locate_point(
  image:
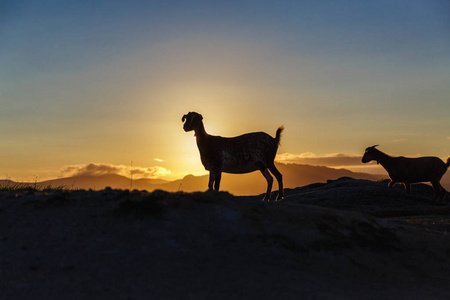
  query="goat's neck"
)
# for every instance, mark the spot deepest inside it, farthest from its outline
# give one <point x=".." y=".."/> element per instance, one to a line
<point x="384" y="160"/>
<point x="201" y="136"/>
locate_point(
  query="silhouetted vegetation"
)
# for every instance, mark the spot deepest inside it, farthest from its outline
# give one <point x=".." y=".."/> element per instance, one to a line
<point x="151" y="205"/>
<point x="30" y="187"/>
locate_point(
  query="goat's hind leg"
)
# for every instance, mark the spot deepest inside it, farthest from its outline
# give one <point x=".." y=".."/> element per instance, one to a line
<point x="269" y="179"/>
<point x="439" y="191"/>
<point x="442" y="195"/>
<point x="279" y="178"/>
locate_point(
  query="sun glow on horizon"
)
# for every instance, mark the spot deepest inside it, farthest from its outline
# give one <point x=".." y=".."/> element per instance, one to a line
<point x="245" y="68"/>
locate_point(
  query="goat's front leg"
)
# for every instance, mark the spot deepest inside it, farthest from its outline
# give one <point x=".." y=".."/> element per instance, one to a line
<point x="407" y="187"/>
<point x="211" y="180"/>
<point x="391" y="183"/>
<point x="217" y="176"/>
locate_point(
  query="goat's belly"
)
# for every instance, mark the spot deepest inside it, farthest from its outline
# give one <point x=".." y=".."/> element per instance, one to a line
<point x="230" y="166"/>
<point x="413" y="178"/>
<point x="237" y="166"/>
<point x="239" y="169"/>
<point x="240" y="162"/>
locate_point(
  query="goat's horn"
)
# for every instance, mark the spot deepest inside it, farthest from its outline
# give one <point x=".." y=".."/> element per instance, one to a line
<point x="184" y="118"/>
<point x="374" y="146"/>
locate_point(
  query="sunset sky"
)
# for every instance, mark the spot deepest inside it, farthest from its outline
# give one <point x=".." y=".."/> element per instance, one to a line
<point x="89" y="86"/>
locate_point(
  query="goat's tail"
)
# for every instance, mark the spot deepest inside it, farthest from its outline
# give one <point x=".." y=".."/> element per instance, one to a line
<point x="278" y="135"/>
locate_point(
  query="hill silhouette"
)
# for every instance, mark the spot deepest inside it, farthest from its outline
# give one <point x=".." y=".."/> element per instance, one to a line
<point x="294" y="175"/>
<point x="341" y="239"/>
<point x="98" y="182"/>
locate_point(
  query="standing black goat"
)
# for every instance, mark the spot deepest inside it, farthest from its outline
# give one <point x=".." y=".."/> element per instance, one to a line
<point x="411" y="170"/>
<point x="242" y="154"/>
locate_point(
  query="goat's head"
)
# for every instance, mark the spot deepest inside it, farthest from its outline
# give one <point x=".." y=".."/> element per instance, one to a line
<point x="370" y="154"/>
<point x="193" y="120"/>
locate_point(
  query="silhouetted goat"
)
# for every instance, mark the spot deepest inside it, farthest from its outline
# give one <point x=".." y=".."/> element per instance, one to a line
<point x="242" y="154"/>
<point x="411" y="170"/>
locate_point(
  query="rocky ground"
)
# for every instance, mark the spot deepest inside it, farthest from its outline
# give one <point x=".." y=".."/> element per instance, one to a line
<point x="344" y="239"/>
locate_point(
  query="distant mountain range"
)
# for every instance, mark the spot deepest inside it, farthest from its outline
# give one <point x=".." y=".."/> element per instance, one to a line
<point x="294" y="175"/>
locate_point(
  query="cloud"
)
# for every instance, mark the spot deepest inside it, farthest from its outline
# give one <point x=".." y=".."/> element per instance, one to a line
<point x="150" y="172"/>
<point x="309" y="158"/>
<point x="94" y="169"/>
<point x="91" y="169"/>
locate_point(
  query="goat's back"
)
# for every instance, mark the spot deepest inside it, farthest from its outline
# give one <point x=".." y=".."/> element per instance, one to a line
<point x="420" y="169"/>
<point x="254" y="142"/>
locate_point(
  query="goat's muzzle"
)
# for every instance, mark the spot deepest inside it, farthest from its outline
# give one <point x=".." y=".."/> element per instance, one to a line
<point x="183" y="119"/>
<point x="366" y="159"/>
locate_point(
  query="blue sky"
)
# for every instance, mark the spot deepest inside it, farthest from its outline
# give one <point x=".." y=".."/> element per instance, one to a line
<point x="108" y="81"/>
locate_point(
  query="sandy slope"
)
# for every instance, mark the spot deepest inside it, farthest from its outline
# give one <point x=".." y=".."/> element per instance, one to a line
<point x="322" y="242"/>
